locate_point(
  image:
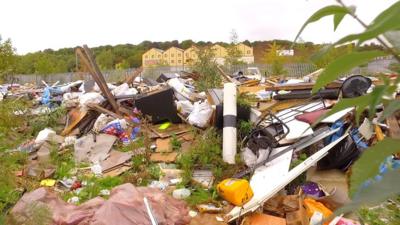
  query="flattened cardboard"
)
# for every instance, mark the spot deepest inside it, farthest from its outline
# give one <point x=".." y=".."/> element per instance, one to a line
<point x="164" y="157"/>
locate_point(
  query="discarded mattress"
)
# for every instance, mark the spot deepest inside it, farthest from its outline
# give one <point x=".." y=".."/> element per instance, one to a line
<point x="124" y="207"/>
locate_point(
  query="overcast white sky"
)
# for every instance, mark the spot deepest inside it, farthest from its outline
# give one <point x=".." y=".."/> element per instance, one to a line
<point x="40" y="24"/>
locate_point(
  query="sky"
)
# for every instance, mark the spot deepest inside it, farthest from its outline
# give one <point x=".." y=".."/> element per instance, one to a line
<point x="42" y="24"/>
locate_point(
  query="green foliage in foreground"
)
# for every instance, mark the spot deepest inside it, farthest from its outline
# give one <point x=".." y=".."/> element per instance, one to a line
<point x="206" y="66"/>
<point x="206" y="153"/>
<point x="383" y="28"/>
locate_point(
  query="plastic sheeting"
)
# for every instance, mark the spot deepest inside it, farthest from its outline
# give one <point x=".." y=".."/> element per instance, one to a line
<point x="201" y="114"/>
<point x="125" y="206"/>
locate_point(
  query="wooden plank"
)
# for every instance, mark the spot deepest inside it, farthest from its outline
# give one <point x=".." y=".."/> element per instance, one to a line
<point x="300" y="86"/>
<point x="88" y="59"/>
<point x="100" y="109"/>
<point x="132" y="77"/>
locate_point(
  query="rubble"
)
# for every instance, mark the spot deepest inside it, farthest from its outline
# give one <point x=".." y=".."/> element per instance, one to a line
<point x="142" y="133"/>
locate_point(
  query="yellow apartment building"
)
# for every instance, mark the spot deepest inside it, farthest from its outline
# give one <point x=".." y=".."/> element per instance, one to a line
<point x="174" y="56"/>
<point x="246" y="53"/>
<point x="190" y="55"/>
<point x="152" y="57"/>
<point x="178" y="57"/>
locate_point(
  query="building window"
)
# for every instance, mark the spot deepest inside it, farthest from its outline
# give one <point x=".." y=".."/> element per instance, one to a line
<point x="248" y="52"/>
<point x="172" y="55"/>
<point x="165" y="55"/>
<point x="179" y="61"/>
<point x="152" y="56"/>
<point x="187" y="54"/>
<point x="159" y="56"/>
<point x="179" y="55"/>
<point x="172" y="61"/>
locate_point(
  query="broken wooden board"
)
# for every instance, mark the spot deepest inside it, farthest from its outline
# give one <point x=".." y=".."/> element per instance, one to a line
<point x="276" y="106"/>
<point x="163" y="157"/>
<point x="300" y="86"/>
<point x="115" y="159"/>
<point x="117" y="171"/>
<point x="74" y="117"/>
<point x="163" y="145"/>
<point x="251" y="89"/>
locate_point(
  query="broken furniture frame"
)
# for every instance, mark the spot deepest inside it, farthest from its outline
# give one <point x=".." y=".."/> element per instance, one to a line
<point x="296" y="147"/>
<point x="258" y="201"/>
<point x="88" y="60"/>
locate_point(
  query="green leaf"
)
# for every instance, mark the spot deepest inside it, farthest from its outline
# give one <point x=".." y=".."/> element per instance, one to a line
<point x="385" y="22"/>
<point x="337" y="18"/>
<point x="374" y="194"/>
<point x="376" y="98"/>
<point x="394" y="39"/>
<point x="326" y="11"/>
<point x="343" y="64"/>
<point x="367" y="166"/>
<point x="392" y="107"/>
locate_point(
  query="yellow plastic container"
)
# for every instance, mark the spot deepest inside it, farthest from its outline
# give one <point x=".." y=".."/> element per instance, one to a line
<point x="235" y="191"/>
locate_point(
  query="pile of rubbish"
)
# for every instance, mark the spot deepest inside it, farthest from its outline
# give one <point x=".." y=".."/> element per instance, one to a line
<point x="289" y="166"/>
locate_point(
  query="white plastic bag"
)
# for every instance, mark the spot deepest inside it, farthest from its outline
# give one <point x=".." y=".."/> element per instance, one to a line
<point x="44" y="135"/>
<point x="185" y="107"/>
<point x="101" y="122"/>
<point x="180" y="88"/>
<point x="124" y="89"/>
<point x="91" y="97"/>
<point x="201" y="114"/>
<point x="250" y="159"/>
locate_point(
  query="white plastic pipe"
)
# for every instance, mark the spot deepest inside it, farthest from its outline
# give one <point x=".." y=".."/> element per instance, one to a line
<point x="229" y="141"/>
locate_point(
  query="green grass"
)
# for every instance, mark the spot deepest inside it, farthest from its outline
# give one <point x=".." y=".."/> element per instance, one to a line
<point x="64" y="163"/>
<point x="206" y="153"/>
<point x="175" y="143"/>
<point x="201" y="196"/>
<point x="388" y="213"/>
<point x="93" y="187"/>
<point x="138" y="143"/>
<point x="9" y="194"/>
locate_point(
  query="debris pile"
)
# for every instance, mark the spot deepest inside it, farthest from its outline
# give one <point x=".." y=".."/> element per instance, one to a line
<point x="146" y="151"/>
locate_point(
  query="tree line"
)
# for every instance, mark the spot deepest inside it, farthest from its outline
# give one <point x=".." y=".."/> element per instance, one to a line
<point x="125" y="56"/>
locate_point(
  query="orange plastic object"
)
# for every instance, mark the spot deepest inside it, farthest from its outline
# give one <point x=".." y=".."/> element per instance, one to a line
<point x="379" y="133"/>
<point x="235" y="191"/>
<point x="313" y="206"/>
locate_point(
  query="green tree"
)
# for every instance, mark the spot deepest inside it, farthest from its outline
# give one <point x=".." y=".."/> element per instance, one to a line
<point x="277" y="61"/>
<point x="122" y="65"/>
<point x="105" y="59"/>
<point x="186" y="44"/>
<point x="207" y="68"/>
<point x="7" y="59"/>
<point x="233" y="54"/>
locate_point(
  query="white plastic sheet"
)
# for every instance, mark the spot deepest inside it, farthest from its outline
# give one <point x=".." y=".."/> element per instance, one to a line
<point x="201" y="114"/>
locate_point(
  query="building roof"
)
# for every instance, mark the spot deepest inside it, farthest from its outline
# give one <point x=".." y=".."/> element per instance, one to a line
<point x="176" y="48"/>
<point x="160" y="50"/>
<point x="244" y="44"/>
